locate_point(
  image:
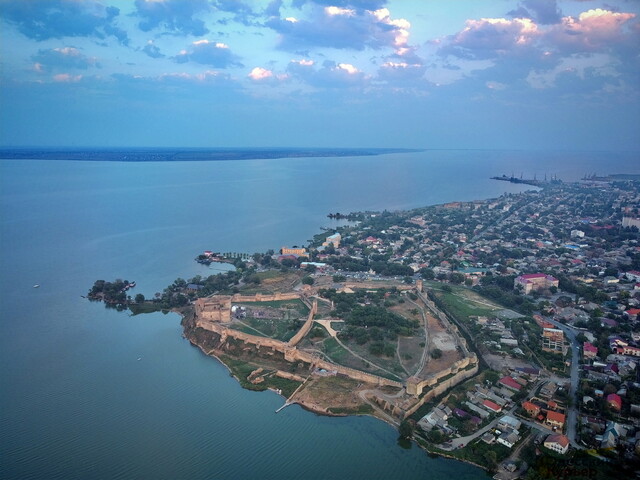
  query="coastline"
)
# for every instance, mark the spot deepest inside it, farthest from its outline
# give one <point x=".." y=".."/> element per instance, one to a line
<point x="311" y="407"/>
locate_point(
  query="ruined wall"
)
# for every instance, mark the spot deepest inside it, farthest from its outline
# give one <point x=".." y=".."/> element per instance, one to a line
<point x="290" y="376"/>
<point x="306" y="327"/>
<point x="215" y="309"/>
<point x="260" y="297"/>
<point x="415" y="387"/>
<point x="293" y="354"/>
<point x="442" y="387"/>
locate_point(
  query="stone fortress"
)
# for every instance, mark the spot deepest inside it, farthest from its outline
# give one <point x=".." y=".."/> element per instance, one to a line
<point x="213" y="314"/>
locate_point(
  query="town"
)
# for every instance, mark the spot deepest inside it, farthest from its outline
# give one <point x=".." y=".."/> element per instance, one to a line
<point x="503" y="332"/>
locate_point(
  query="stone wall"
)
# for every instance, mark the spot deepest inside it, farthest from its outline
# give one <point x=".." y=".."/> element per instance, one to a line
<point x="306" y="327"/>
<point x="415" y="386"/>
<point x="292" y="354"/>
<point x="443" y="386"/>
<point x="261" y="297"/>
<point x="215" y="309"/>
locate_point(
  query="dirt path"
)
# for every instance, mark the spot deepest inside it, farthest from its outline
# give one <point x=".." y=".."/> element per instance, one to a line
<point x="366" y="360"/>
<point x="427" y="339"/>
<point x="327" y="324"/>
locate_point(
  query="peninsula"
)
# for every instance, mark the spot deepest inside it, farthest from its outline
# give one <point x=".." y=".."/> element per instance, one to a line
<point x="500" y="332"/>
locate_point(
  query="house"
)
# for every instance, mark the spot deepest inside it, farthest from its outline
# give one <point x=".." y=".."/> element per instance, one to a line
<point x="548" y="390"/>
<point x="509" y="422"/>
<point x="508" y="438"/>
<point x="557" y="443"/>
<point x="632" y="276"/>
<point x="553" y="340"/>
<point x="532" y="372"/>
<point x="492" y="406"/>
<point x="555" y="419"/>
<point x="589" y="351"/>
<point x="632" y="313"/>
<point x="534" y="282"/>
<point x="614" y="402"/>
<point x="612" y="434"/>
<point x="510" y="383"/>
<point x="627" y="350"/>
<point x="531" y="408"/>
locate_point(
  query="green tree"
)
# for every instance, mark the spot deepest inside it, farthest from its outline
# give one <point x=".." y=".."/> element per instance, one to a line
<point x="406" y="429"/>
<point x="308" y="280"/>
<point x="139" y="298"/>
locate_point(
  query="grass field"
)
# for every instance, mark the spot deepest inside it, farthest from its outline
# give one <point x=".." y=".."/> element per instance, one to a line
<point x="463" y="303"/>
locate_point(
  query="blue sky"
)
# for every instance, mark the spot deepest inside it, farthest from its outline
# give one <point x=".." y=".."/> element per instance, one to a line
<point x="521" y="74"/>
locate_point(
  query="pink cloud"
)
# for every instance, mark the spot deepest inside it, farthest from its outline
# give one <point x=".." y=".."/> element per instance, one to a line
<point x="489" y="37"/>
<point x="66" y="78"/>
<point x="259" y="73"/>
<point x="594" y="31"/>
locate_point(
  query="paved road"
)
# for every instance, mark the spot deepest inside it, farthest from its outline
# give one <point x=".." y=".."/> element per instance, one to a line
<point x="572" y="411"/>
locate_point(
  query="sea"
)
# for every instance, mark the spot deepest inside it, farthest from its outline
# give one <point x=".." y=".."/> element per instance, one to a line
<point x="92" y="393"/>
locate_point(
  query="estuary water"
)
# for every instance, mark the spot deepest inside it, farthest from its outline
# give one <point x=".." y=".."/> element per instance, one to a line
<point x="87" y="392"/>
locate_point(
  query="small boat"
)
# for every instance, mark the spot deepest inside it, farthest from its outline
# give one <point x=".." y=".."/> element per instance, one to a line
<point x="37" y="285"/>
<point x="139" y="358"/>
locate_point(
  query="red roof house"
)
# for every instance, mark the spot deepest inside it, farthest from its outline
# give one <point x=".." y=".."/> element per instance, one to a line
<point x="494" y="407"/>
<point x="555" y="419"/>
<point x="589" y="351"/>
<point x="510" y="383"/>
<point x="614" y="401"/>
<point x="531" y="408"/>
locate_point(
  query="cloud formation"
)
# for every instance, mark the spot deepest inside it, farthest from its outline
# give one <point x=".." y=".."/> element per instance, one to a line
<point x="152" y="50"/>
<point x="543" y="12"/>
<point x="45" y="19"/>
<point x="488" y="38"/>
<point x="345" y="25"/>
<point x="330" y="75"/>
<point x="216" y="54"/>
<point x="63" y="59"/>
<point x="177" y="16"/>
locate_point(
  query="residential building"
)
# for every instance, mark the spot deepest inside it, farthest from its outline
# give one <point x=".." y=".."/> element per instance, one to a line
<point x="489" y="405"/>
<point x="614" y="402"/>
<point x="553" y="340"/>
<point x="508" y="438"/>
<point x="555" y="419"/>
<point x="558" y="443"/>
<point x="535" y="282"/>
<point x="589" y="351"/>
<point x="531" y="408"/>
<point x="510" y="383"/>
<point x="508" y="421"/>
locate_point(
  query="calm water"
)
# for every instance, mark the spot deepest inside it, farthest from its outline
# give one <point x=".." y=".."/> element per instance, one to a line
<point x="74" y="400"/>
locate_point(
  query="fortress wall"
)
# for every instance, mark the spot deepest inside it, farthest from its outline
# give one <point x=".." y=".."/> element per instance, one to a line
<point x="289" y="376"/>
<point x="443" y="387"/>
<point x="306" y="327"/>
<point x="225" y="332"/>
<point x="435" y="381"/>
<point x="217" y="309"/>
<point x="374" y="285"/>
<point x="260" y="297"/>
<point x="293" y="354"/>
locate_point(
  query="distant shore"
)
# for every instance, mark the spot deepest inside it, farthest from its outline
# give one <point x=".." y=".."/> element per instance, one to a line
<point x="186" y="154"/>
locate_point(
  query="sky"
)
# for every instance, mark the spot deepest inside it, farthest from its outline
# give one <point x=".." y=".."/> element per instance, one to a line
<point x="485" y="74"/>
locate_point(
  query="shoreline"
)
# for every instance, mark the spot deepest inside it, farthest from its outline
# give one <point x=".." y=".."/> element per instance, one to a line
<point x="317" y="410"/>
